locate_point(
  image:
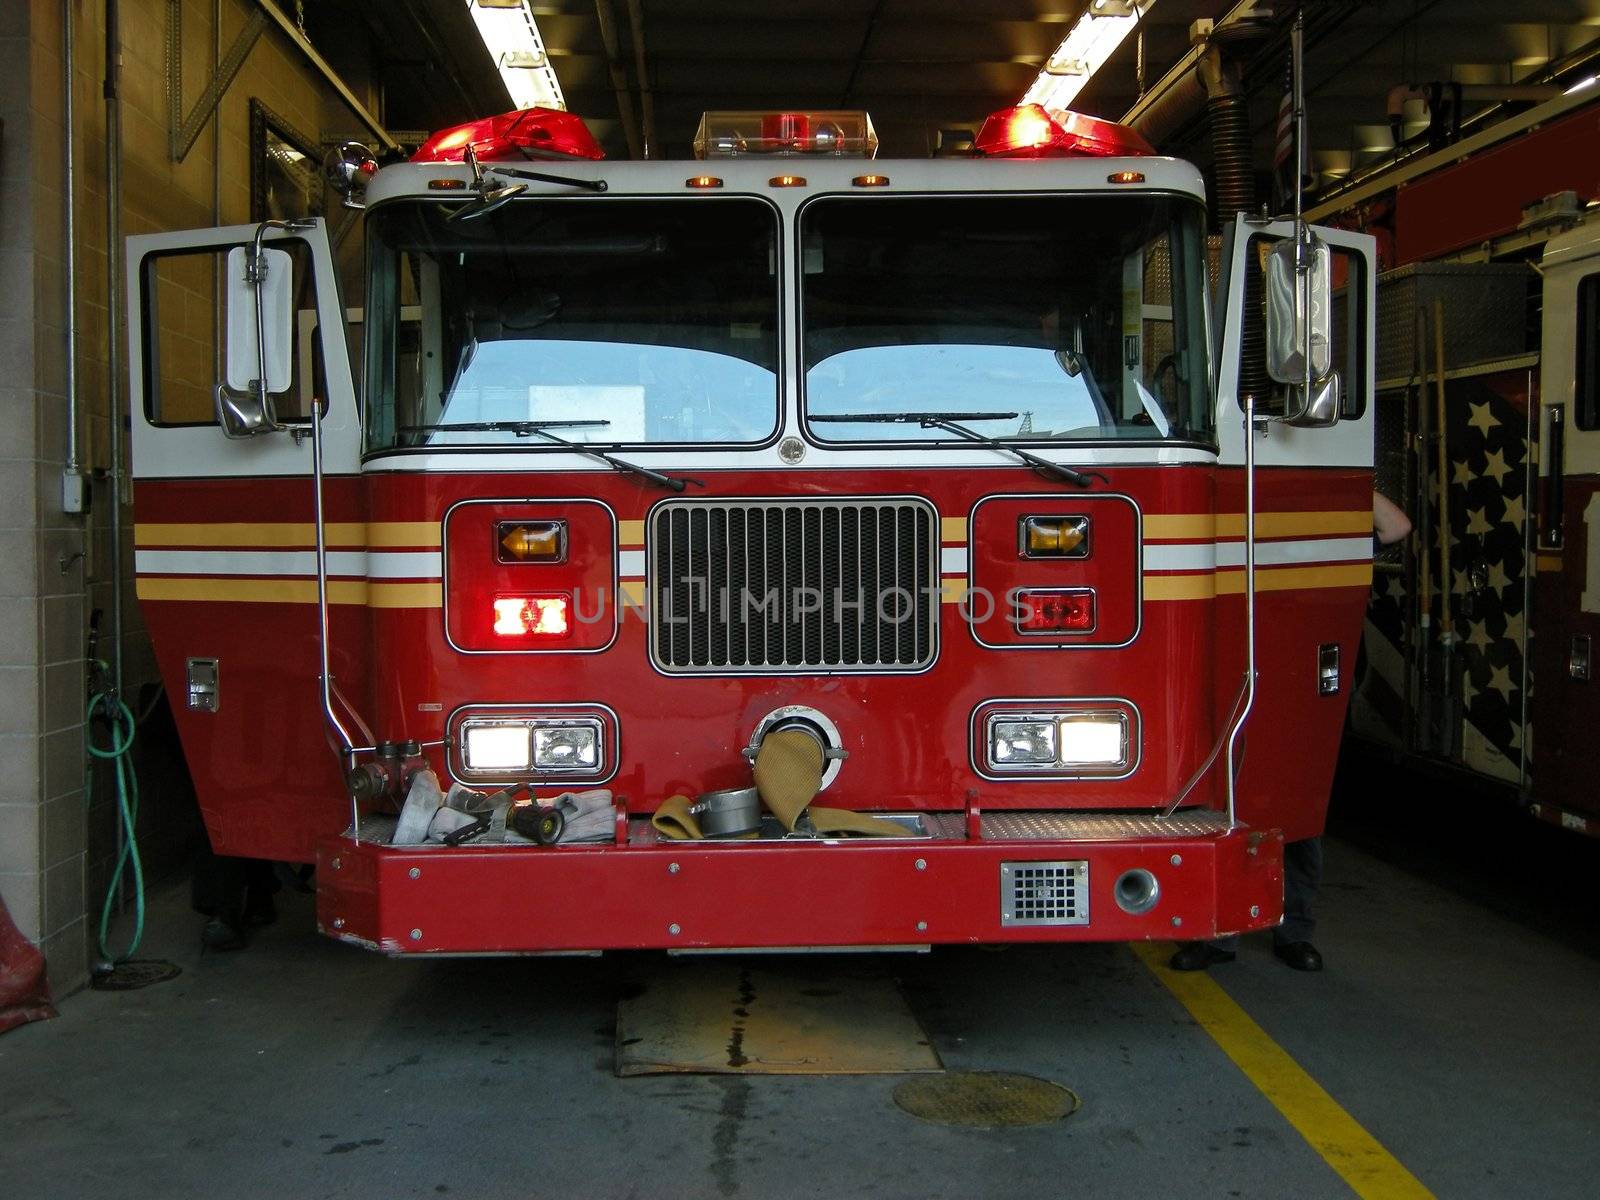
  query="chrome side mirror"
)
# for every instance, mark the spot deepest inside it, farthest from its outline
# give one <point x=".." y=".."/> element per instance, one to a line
<point x="260" y="331"/>
<point x="348" y="168"/>
<point x="1300" y="328"/>
<point x="490" y="196"/>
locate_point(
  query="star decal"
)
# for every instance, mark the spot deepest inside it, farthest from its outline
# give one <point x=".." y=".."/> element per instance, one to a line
<point x="1515" y="512"/>
<point x="1495" y="466"/>
<point x="1500" y="681"/>
<point x="1462" y="475"/>
<point x="1459" y="584"/>
<point x="1479" y="636"/>
<point x="1476" y="525"/>
<point x="1513" y="631"/>
<point x="1482" y="418"/>
<point x="1497" y="577"/>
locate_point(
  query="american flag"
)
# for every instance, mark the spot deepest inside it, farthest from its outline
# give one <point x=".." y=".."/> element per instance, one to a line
<point x="1283" y="145"/>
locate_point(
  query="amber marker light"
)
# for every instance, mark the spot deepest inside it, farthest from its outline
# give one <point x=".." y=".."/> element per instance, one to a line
<point x="447" y="185"/>
<point x="531" y="541"/>
<point x="1054" y="537"/>
<point x="1125" y="177"/>
<point x="702" y="181"/>
<point x="787" y="181"/>
<point x="871" y="181"/>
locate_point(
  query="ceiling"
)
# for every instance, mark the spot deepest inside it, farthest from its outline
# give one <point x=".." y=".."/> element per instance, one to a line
<point x="922" y="66"/>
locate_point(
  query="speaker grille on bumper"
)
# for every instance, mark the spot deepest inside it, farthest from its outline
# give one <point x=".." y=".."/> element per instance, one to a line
<point x="1044" y="893"/>
<point x="741" y="587"/>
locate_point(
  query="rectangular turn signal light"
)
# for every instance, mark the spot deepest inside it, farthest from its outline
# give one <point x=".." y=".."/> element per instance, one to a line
<point x="1054" y="610"/>
<point x="532" y="616"/>
<point x="531" y="541"/>
<point x="1054" y="537"/>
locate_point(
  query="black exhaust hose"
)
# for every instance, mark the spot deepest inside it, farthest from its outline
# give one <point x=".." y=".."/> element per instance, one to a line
<point x="1235" y="185"/>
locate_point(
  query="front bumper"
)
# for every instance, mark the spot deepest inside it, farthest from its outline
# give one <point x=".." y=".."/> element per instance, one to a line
<point x="644" y="893"/>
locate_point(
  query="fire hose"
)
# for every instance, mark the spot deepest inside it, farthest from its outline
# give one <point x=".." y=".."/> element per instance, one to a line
<point x="788" y="776"/>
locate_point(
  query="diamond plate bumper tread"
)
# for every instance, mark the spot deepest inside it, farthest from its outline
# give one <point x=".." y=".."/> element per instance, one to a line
<point x="1100" y="827"/>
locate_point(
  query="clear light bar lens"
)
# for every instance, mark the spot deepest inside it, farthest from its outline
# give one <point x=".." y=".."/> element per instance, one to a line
<point x="496" y="747"/>
<point x="1093" y="741"/>
<point x="1022" y="743"/>
<point x="566" y="748"/>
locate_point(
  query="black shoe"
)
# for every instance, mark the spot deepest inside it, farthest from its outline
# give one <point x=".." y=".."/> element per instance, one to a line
<point x="219" y="935"/>
<point x="1197" y="956"/>
<point x="1302" y="956"/>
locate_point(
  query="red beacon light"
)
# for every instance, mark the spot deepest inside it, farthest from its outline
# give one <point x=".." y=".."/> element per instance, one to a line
<point x="523" y="134"/>
<point x="832" y="133"/>
<point x="1033" y="131"/>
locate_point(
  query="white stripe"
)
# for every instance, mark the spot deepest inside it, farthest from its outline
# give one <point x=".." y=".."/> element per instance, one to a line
<point x="953" y="560"/>
<point x="405" y="564"/>
<point x="1206" y="556"/>
<point x="630" y="563"/>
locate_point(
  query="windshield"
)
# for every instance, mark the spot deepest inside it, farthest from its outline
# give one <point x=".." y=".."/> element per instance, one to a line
<point x="1037" y="318"/>
<point x="608" y="321"/>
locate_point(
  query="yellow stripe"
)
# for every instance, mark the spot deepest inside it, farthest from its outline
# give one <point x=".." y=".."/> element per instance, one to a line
<point x="952" y="589"/>
<point x="1359" y="1158"/>
<point x="288" y="533"/>
<point x="632" y="591"/>
<point x="630" y="534"/>
<point x="1202" y="585"/>
<point x="289" y="591"/>
<point x="1547" y="562"/>
<point x="1192" y="526"/>
<point x="952" y="529"/>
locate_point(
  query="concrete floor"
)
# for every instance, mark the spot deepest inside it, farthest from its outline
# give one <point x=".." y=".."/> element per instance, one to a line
<point x="1456" y="1023"/>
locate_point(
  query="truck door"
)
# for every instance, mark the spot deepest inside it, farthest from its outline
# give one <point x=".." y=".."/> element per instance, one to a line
<point x="224" y="539"/>
<point x="1566" y="693"/>
<point x="1313" y="538"/>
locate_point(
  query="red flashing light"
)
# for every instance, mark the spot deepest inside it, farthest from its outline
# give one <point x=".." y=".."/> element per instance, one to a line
<point x="1033" y="131"/>
<point x="538" y="616"/>
<point x="1055" y="611"/>
<point x="524" y="133"/>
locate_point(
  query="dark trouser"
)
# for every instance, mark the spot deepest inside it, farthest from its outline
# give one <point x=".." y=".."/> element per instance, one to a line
<point x="1302" y="875"/>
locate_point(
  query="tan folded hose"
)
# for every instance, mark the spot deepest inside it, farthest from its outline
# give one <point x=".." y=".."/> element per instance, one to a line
<point x="788" y="774"/>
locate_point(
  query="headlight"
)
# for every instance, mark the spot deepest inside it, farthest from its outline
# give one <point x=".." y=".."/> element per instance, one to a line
<point x="1065" y="742"/>
<point x="1020" y="743"/>
<point x="532" y="747"/>
<point x="496" y="747"/>
<point x="574" y="747"/>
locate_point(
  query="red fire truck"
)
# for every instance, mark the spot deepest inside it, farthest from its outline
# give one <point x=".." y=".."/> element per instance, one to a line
<point x="608" y="478"/>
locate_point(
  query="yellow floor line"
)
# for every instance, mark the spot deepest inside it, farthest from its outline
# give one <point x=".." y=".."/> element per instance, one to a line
<point x="1370" y="1170"/>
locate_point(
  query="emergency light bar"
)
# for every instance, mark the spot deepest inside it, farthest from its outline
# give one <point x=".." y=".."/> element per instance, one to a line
<point x="518" y="135"/>
<point x="832" y="132"/>
<point x="1033" y="131"/>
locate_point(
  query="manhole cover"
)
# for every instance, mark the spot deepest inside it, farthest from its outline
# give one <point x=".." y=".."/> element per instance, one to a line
<point x="129" y="976"/>
<point x="985" y="1099"/>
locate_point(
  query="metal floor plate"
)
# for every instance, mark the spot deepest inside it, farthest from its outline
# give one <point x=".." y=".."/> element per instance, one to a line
<point x="716" y="1017"/>
<point x="986" y="1099"/>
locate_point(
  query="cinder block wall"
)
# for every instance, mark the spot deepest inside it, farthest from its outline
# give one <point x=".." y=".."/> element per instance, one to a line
<point x="57" y="835"/>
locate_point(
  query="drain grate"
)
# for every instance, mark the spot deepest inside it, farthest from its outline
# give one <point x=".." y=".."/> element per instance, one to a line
<point x="985" y="1099"/>
<point x="135" y="974"/>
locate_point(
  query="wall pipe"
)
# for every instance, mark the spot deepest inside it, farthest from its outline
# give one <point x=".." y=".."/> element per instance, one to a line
<point x="619" y="78"/>
<point x="111" y="90"/>
<point x="71" y="484"/>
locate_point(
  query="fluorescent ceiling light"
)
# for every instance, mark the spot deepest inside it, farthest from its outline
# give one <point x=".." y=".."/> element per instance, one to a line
<point x="1093" y="38"/>
<point x="512" y="37"/>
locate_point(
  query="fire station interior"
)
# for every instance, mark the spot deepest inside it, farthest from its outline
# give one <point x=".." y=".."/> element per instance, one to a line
<point x="213" y="977"/>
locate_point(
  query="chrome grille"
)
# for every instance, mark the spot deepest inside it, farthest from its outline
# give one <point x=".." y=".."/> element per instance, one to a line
<point x="746" y="587"/>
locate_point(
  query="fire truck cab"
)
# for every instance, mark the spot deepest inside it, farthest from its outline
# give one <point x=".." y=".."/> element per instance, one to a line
<point x="915" y="502"/>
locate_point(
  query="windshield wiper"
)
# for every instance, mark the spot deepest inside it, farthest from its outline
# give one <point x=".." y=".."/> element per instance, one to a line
<point x="914" y="418"/>
<point x="671" y="482"/>
<point x="520" y="428"/>
<point x="593" y="185"/>
<point x="947" y="421"/>
<point x="542" y="429"/>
